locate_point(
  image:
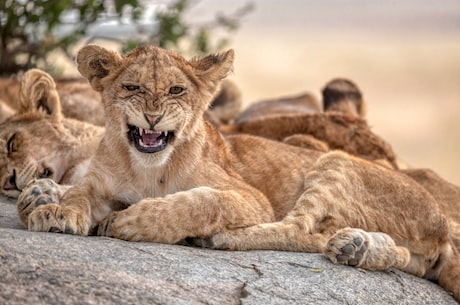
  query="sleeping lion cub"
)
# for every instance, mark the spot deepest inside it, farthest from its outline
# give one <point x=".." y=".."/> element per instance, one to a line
<point x="163" y="174"/>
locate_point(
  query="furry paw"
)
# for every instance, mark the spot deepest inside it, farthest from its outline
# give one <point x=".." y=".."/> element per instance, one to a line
<point x="60" y="219"/>
<point x="126" y="225"/>
<point x="36" y="193"/>
<point x="123" y="226"/>
<point x="347" y="247"/>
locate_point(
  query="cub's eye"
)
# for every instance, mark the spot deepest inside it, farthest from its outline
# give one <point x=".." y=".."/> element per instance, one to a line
<point x="131" y="87"/>
<point x="10" y="144"/>
<point x="176" y="90"/>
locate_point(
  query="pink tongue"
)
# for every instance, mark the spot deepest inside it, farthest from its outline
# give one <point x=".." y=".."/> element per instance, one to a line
<point x="151" y="139"/>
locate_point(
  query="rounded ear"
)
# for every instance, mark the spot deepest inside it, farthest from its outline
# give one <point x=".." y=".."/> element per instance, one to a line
<point x="38" y="93"/>
<point x="214" y="67"/>
<point x="95" y="63"/>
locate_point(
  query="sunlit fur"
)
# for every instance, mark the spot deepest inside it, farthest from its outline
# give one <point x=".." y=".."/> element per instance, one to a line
<point x="240" y="192"/>
<point x="79" y="101"/>
<point x="42" y="142"/>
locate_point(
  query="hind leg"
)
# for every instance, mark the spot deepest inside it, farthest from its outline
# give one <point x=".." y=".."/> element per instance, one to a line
<point x="378" y="251"/>
<point x="284" y="235"/>
<point x="447" y="270"/>
<point x="369" y="250"/>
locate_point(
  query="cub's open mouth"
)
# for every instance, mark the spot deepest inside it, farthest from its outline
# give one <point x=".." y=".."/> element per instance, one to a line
<point x="149" y="141"/>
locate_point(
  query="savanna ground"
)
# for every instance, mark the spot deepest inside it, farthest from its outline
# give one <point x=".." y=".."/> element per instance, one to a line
<point x="404" y="55"/>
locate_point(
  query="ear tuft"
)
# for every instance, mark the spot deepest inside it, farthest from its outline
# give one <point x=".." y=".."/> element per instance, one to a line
<point x="95" y="63"/>
<point x="215" y="67"/>
<point x="38" y="93"/>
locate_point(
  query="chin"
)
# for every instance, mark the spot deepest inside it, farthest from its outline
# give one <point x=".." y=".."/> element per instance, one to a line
<point x="157" y="159"/>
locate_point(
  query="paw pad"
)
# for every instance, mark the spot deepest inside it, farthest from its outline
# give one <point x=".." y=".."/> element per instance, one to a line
<point x="346" y="249"/>
<point x="37" y="192"/>
<point x="43" y="200"/>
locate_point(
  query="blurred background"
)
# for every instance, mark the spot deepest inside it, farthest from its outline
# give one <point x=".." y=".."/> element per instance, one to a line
<point x="403" y="54"/>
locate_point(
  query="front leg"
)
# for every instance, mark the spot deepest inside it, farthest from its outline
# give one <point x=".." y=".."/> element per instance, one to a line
<point x="200" y="212"/>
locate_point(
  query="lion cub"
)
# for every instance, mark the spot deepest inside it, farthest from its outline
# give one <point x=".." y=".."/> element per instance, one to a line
<point x="39" y="142"/>
<point x="163" y="174"/>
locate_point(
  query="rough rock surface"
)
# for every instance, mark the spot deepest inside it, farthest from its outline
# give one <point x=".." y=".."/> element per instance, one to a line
<point x="49" y="268"/>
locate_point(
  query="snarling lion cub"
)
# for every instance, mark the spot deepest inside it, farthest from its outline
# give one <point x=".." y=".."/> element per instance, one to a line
<point x="163" y="174"/>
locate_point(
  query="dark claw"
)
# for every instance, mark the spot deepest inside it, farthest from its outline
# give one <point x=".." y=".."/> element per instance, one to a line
<point x="353" y="262"/>
<point x="54" y="230"/>
<point x="199" y="242"/>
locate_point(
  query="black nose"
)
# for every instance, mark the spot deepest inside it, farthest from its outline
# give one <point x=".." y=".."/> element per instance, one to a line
<point x="153" y="119"/>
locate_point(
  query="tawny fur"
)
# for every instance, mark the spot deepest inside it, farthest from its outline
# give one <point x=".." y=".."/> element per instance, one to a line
<point x="79" y="101"/>
<point x="299" y="121"/>
<point x="46" y="142"/>
<point x="226" y="105"/>
<point x="305" y="103"/>
<point x="240" y="192"/>
<point x="5" y="111"/>
<point x="38" y="141"/>
<point x="447" y="196"/>
<point x="339" y="131"/>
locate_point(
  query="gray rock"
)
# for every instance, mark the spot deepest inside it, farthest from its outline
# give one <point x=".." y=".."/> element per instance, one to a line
<point x="49" y="268"/>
